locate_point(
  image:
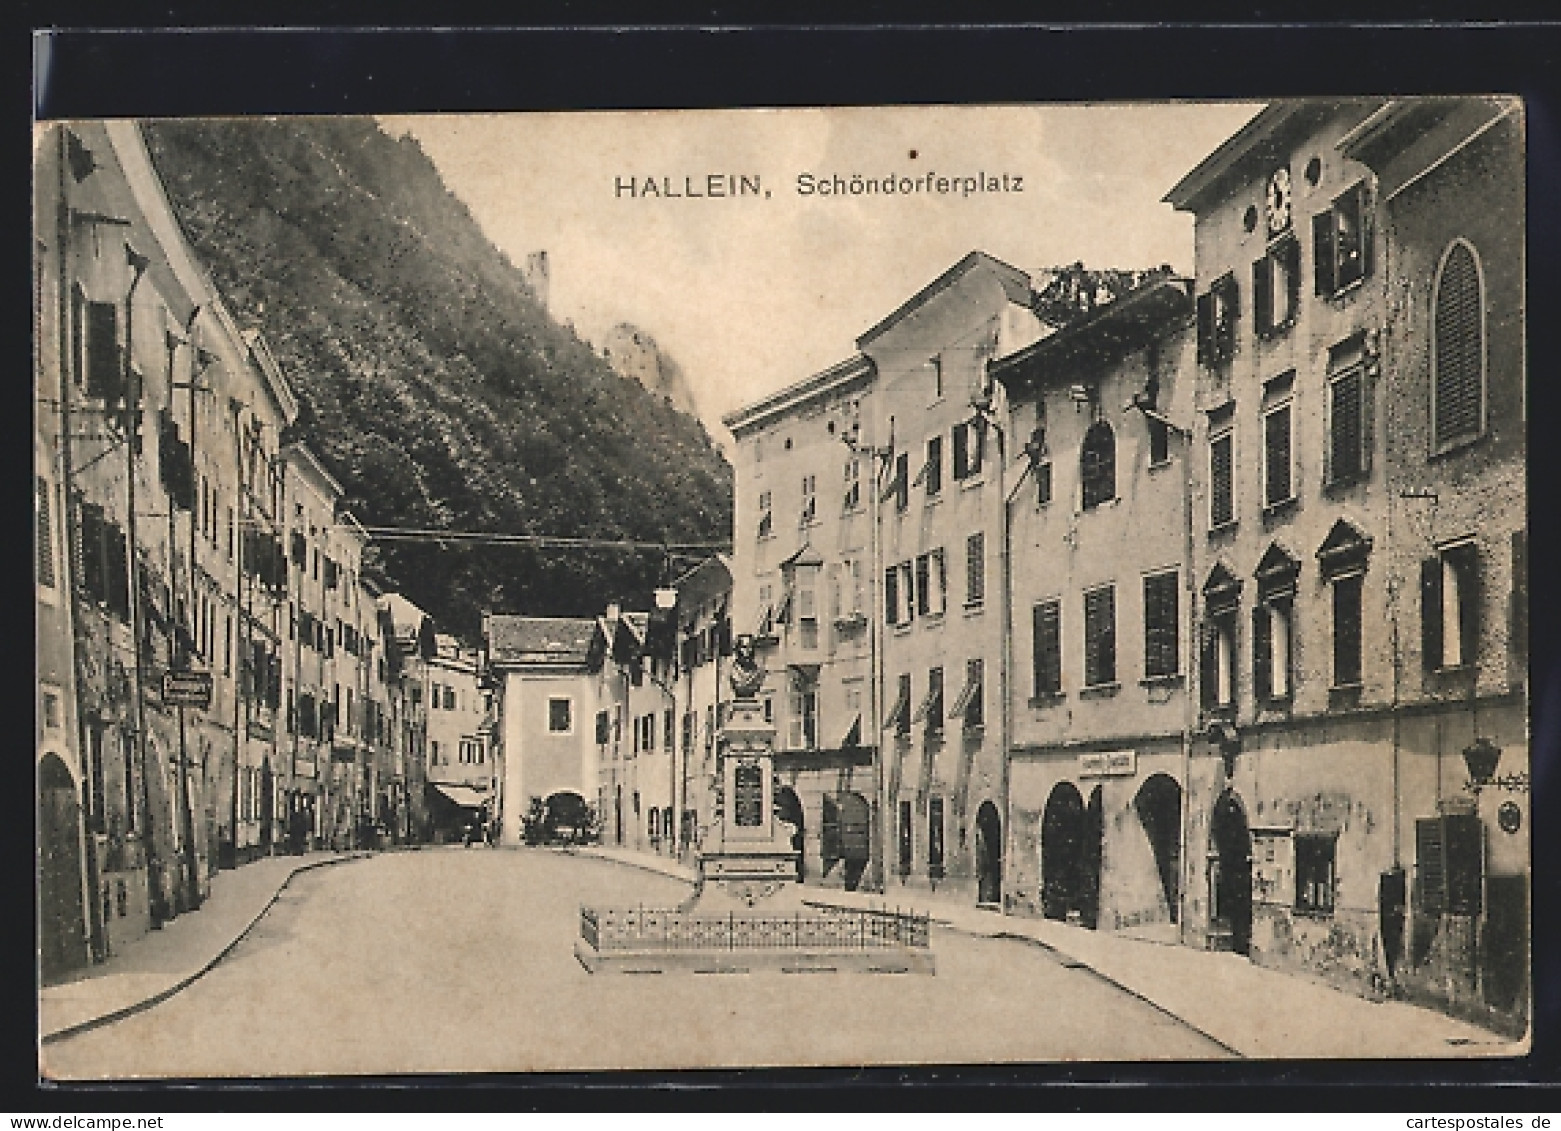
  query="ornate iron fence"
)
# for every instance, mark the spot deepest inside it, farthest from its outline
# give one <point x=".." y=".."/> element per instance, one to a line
<point x="643" y="928"/>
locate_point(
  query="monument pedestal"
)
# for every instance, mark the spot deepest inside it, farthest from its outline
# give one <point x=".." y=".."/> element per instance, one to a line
<point x="746" y="911"/>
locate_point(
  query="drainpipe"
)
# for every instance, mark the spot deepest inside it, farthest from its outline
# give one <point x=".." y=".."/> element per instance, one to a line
<point x="1005" y="725"/>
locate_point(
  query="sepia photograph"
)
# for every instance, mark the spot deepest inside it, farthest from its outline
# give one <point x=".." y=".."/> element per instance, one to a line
<point x="829" y="587"/>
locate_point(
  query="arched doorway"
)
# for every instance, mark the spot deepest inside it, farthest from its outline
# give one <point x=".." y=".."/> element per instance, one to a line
<point x="989" y="854"/>
<point x="1230" y="873"/>
<point x="856" y="837"/>
<point x="62" y="945"/>
<point x="788" y="808"/>
<point x="1159" y="807"/>
<point x="565" y="818"/>
<point x="1062" y="839"/>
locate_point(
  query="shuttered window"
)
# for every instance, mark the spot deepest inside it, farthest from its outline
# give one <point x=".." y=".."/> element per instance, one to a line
<point x="101" y="364"/>
<point x="1272" y="633"/>
<point x="1459" y="350"/>
<point x="1347" y="434"/>
<point x="1046" y="619"/>
<point x="1161" y="643"/>
<point x="1218" y="311"/>
<point x="1342" y="242"/>
<point x="1347" y="630"/>
<point x="933" y="473"/>
<point x="1100" y="636"/>
<point x="1098" y="465"/>
<point x="44" y="532"/>
<point x="1043" y="483"/>
<point x="1449" y="864"/>
<point x="1217" y="660"/>
<point x="935" y="838"/>
<point x="1277" y="487"/>
<point x="1222" y="490"/>
<point x="906" y="833"/>
<point x="975" y="569"/>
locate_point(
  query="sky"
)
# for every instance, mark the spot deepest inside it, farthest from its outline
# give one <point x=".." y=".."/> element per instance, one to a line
<point x="750" y="293"/>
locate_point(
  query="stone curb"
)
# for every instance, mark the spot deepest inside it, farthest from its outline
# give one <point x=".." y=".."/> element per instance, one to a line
<point x="79" y="1027"/>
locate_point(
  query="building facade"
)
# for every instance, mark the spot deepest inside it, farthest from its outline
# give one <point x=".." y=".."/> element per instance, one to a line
<point x="1099" y="702"/>
<point x="1360" y="510"/>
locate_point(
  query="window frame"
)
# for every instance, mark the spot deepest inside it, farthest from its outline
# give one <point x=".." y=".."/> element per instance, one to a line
<point x="1218" y="314"/>
<point x="1456" y="567"/>
<point x="932" y="469"/>
<point x="1339" y="586"/>
<point x="1279" y="398"/>
<point x="975" y="570"/>
<point x="1453" y="442"/>
<point x="1222" y="432"/>
<point x="1281" y="263"/>
<point x="1098" y="465"/>
<point x="1100" y="637"/>
<point x="1316" y="898"/>
<point x="1330" y="280"/>
<point x="1165" y="638"/>
<point x="1047" y="662"/>
<point x="552" y="718"/>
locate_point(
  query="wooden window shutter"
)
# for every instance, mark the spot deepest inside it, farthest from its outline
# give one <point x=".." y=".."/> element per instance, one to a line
<point x="961" y="451"/>
<point x="1323" y="253"/>
<point x="1290" y="252"/>
<point x="1430" y="867"/>
<point x="1160" y="625"/>
<point x="1276" y="444"/>
<point x="1431" y="612"/>
<point x="1221" y="475"/>
<point x="1347" y="630"/>
<point x="1047" y="648"/>
<point x="1209" y="665"/>
<point x="105" y="377"/>
<point x="1345" y="427"/>
<point x="1262" y="297"/>
<point x="1459" y="349"/>
<point x="891" y="595"/>
<point x="1262" y="652"/>
<point x="45" y="534"/>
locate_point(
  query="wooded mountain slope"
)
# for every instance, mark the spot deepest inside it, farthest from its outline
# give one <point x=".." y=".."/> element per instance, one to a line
<point x="433" y="383"/>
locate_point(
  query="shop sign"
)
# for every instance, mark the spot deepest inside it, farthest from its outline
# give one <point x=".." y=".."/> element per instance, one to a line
<point x="187" y="689"/>
<point x="1108" y="764"/>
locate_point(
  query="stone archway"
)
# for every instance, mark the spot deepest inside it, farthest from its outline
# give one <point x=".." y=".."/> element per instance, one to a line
<point x="788" y="808"/>
<point x="566" y="817"/>
<point x="62" y="944"/>
<point x="1230" y="875"/>
<point x="1159" y="807"/>
<point x="989" y="854"/>
<point x="1062" y="838"/>
<point x="856" y="836"/>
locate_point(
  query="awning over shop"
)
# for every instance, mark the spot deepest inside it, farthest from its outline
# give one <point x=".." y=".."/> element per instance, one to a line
<point x="467" y="797"/>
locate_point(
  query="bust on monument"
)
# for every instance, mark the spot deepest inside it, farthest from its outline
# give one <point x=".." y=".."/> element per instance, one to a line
<point x="747" y="675"/>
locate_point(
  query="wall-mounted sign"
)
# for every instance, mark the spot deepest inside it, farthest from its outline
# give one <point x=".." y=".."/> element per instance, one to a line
<point x="1108" y="764"/>
<point x="187" y="689"/>
<point x="1273" y="866"/>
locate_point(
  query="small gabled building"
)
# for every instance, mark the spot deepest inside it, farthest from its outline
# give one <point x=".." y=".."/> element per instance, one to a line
<point x="542" y="671"/>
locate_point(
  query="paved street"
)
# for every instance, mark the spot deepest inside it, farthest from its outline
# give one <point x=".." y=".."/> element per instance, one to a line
<point x="455" y="960"/>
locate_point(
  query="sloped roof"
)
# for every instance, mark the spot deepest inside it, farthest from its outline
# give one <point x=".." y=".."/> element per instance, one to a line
<point x="406" y="619"/>
<point x="540" y="641"/>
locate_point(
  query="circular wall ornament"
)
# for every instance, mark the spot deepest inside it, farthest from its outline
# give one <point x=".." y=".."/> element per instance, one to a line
<point x="1509" y="817"/>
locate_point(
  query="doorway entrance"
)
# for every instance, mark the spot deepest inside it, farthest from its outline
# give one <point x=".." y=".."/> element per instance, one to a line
<point x="62" y="945"/>
<point x="1230" y="876"/>
<point x="989" y="854"/>
<point x="1159" y="807"/>
<point x="788" y="808"/>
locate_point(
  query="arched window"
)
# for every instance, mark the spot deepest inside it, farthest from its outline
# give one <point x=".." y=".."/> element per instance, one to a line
<point x="1098" y="465"/>
<point x="1458" y="349"/>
